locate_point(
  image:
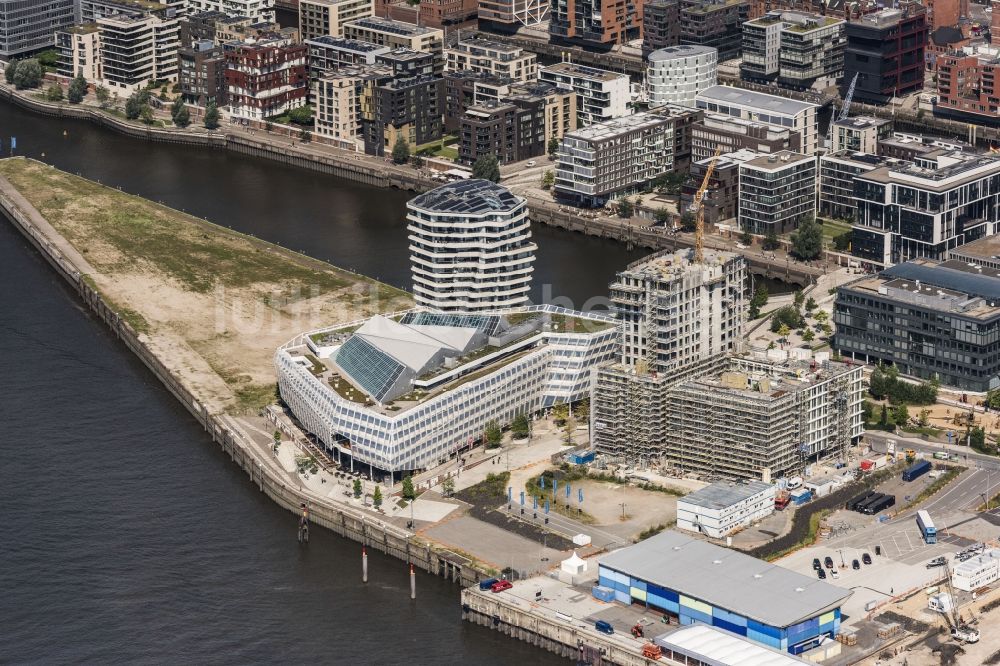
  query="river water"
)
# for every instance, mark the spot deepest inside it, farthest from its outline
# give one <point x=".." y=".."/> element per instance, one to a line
<point x="126" y="536"/>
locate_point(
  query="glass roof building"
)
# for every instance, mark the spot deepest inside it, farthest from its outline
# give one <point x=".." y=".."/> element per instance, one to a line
<point x="470" y="247"/>
<point x="407" y="391"/>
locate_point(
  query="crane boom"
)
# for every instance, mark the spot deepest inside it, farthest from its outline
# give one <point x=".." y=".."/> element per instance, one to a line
<point x="850" y="96"/>
<point x="699" y="225"/>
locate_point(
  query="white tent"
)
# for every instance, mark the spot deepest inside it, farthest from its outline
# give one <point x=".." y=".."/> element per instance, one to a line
<point x="575" y="565"/>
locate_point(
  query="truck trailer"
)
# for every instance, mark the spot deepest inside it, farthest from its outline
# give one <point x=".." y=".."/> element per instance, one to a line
<point x="917" y="470"/>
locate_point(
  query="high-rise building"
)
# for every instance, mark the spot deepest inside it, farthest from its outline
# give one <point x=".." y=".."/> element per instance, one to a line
<point x="492" y="57"/>
<point x="30" y="25"/>
<point x="715" y="23"/>
<point x="202" y="74"/>
<point x="266" y="79"/>
<point x="399" y="35"/>
<point x="759" y="107"/>
<point x="509" y="15"/>
<point x="615" y="157"/>
<point x="793" y="49"/>
<point x="860" y="134"/>
<point x="342" y="98"/>
<point x="777" y="192"/>
<point x="319" y="18"/>
<point x="256" y="10"/>
<point x="924" y="208"/>
<point x="661" y="25"/>
<point x="409" y="106"/>
<point x="886" y="50"/>
<point x="470" y="247"/>
<point x="601" y="94"/>
<point x="595" y="22"/>
<point x="678" y="73"/>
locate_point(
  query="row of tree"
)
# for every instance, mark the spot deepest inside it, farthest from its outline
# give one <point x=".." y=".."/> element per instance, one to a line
<point x="885" y="383"/>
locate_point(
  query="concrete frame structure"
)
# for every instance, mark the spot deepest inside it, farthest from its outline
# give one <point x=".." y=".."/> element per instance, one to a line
<point x="678" y="73"/>
<point x="777" y="192"/>
<point x="470" y="247"/>
<point x="724" y="507"/>
<point x="544" y="355"/>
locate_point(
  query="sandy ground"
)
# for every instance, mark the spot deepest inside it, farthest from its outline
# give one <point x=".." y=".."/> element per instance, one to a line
<point x="217" y="314"/>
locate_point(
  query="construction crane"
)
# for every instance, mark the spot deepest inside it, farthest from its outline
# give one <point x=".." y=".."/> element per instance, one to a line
<point x="699" y="210"/>
<point x="843" y="110"/>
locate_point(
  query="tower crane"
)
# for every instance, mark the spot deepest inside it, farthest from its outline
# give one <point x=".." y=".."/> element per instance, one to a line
<point x="699" y="210"/>
<point x="843" y="110"/>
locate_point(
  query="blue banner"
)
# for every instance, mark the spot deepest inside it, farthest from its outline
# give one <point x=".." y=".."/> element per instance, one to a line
<point x="546" y="506"/>
<point x="579" y="495"/>
<point x="510" y="494"/>
<point x="522" y="498"/>
<point x="567" y="491"/>
<point x="13" y="143"/>
<point x="541" y="482"/>
<point x="555" y="486"/>
<point x="534" y="503"/>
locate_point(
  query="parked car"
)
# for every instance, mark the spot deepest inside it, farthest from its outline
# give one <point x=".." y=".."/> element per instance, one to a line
<point x="488" y="583"/>
<point x="501" y="585"/>
<point x="937" y="562"/>
<point x="828" y="561"/>
<point x="855" y="565"/>
<point x="816" y="564"/>
<point x="834" y="574"/>
<point x="821" y="574"/>
<point x="866" y="558"/>
<point x="604" y="627"/>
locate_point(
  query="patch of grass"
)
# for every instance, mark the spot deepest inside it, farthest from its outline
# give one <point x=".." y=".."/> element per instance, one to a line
<point x="654" y="530"/>
<point x="920" y="430"/>
<point x="255" y="397"/>
<point x="533" y="490"/>
<point x="134" y="319"/>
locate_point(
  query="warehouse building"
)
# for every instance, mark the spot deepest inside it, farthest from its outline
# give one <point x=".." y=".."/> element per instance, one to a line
<point x="691" y="581"/>
<point x="701" y="644"/>
<point x="723" y="507"/>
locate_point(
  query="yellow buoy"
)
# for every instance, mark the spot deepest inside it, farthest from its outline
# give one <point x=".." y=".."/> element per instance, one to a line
<point x="65" y="133"/>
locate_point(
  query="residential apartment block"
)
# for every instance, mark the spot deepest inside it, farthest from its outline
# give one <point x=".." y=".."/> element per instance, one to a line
<point x="30" y="25"/>
<point x="399" y="35"/>
<point x="777" y="192"/>
<point x="79" y="49"/>
<point x="595" y="22"/>
<point x="470" y="247"/>
<point x="721" y="200"/>
<point x="331" y="53"/>
<point x="661" y="25"/>
<point x="678" y="73"/>
<point x="601" y="94"/>
<point x="266" y="79"/>
<point x="967" y="85"/>
<point x="837" y="172"/>
<point x="772" y="110"/>
<point x="137" y="47"/>
<point x="509" y="15"/>
<point x="612" y="158"/>
<point x="886" y="50"/>
<point x="342" y="98"/>
<point x="463" y="90"/>
<point x="715" y="23"/>
<point x="731" y="134"/>
<point x="925" y="208"/>
<point x="326" y="18"/>
<point x="929" y="319"/>
<point x="492" y="57"/>
<point x="202" y="74"/>
<point x="794" y="50"/>
<point x="408" y="106"/>
<point x="256" y="10"/>
<point x="860" y="134"/>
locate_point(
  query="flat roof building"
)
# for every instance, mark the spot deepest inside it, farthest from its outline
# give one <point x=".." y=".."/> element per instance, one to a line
<point x="710" y="645"/>
<point x="696" y="581"/>
<point x="761" y="107"/>
<point x="601" y="94"/>
<point x="716" y="130"/>
<point x="886" y="50"/>
<point x="796" y="50"/>
<point x="30" y="26"/>
<point x="677" y="74"/>
<point x="397" y="34"/>
<point x="492" y="57"/>
<point x="977" y="572"/>
<point x="837" y="171"/>
<point x="724" y="507"/>
<point x="715" y="23"/>
<point x="777" y="192"/>
<point x="661" y="25"/>
<point x="319" y="18"/>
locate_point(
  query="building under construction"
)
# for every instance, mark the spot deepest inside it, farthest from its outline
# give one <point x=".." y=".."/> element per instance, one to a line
<point x="684" y="397"/>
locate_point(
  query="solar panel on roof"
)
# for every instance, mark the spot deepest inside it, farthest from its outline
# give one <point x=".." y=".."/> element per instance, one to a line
<point x="372" y="369"/>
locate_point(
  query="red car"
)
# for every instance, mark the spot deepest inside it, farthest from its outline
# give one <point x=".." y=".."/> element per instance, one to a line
<point x="501" y="585"/>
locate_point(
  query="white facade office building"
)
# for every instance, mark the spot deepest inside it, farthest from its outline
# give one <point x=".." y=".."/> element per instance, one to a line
<point x="407" y="391"/>
<point x="767" y="109"/>
<point x="601" y="94"/>
<point x="677" y="74"/>
<point x="725" y="506"/>
<point x="470" y="247"/>
<point x="258" y="10"/>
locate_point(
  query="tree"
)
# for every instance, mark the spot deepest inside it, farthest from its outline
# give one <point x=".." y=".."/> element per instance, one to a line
<point x="183" y="117"/>
<point x="746" y="237"/>
<point x="798" y="298"/>
<point x="977" y="438"/>
<point x="821" y="317"/>
<point x="771" y="241"/>
<point x="400" y="150"/>
<point x="176" y="107"/>
<point x="993" y="399"/>
<point x="302" y="115"/>
<point x="487" y="167"/>
<point x="211" y="116"/>
<point x="900" y="414"/>
<point x="9" y="72"/>
<point x="548" y="179"/>
<point x="28" y="74"/>
<point x="867" y="410"/>
<point x="409" y="492"/>
<point x="146" y="114"/>
<point x="807" y="241"/>
<point x="808" y="335"/>
<point x="688" y="221"/>
<point x="48" y="59"/>
<point x="626" y="208"/>
<point x="877" y="383"/>
<point x="787" y="315"/>
<point x="884" y="417"/>
<point x="811" y="304"/>
<point x="553" y="147"/>
<point x="827" y="329"/>
<point x="448" y="487"/>
<point x="560" y="413"/>
<point x="783" y="330"/>
<point x="103" y="97"/>
<point x="661" y="215"/>
<point x="842" y="242"/>
<point x="924" y="418"/>
<point x="77" y="89"/>
<point x="417" y="161"/>
<point x="357" y="488"/>
<point x="377" y="497"/>
<point x="493" y="435"/>
<point x="582" y="410"/>
<point x="268" y="126"/>
<point x="134" y="106"/>
<point x="520" y="428"/>
<point x="758" y="301"/>
<point x="305" y="136"/>
<point x="54" y="93"/>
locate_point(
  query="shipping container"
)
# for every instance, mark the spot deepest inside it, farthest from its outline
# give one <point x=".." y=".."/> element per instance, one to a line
<point x="880" y="504"/>
<point x="603" y="593"/>
<point x="916" y="470"/>
<point x="860" y="499"/>
<point x="863" y="506"/>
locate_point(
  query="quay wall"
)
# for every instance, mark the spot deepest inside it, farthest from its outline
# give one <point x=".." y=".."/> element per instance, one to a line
<point x="343" y="520"/>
